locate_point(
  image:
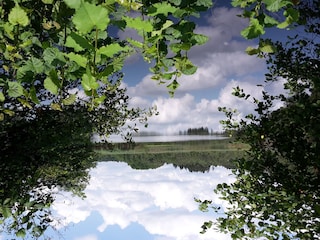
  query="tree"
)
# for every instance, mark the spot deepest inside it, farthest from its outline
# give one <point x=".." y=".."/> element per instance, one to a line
<point x="276" y="192"/>
<point x="44" y="149"/>
<point x="60" y="75"/>
<point x="49" y="44"/>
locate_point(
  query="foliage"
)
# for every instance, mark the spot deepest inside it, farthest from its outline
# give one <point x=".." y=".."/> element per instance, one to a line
<point x="44" y="149"/>
<point x="198" y="131"/>
<point x="50" y="150"/>
<point x="283" y="14"/>
<point x="60" y="76"/>
<point x="46" y="45"/>
<point x="276" y="194"/>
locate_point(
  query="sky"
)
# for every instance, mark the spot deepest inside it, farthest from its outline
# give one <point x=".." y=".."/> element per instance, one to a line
<point x="155" y="204"/>
<point x="222" y="65"/>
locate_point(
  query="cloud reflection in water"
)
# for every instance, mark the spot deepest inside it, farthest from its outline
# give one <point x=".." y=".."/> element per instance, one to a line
<point x="158" y="203"/>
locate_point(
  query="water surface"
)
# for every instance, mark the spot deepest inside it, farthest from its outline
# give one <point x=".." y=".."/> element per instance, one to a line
<point x="156" y="204"/>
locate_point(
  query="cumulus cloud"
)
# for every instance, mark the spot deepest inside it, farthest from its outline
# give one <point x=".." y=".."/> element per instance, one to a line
<point x="214" y="72"/>
<point x="180" y="113"/>
<point x="223" y="29"/>
<point x="161" y="200"/>
<point x="222" y="64"/>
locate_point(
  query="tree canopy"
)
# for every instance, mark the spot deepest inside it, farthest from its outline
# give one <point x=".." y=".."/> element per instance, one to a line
<point x="276" y="192"/>
<point x="61" y="67"/>
<point x="48" y="44"/>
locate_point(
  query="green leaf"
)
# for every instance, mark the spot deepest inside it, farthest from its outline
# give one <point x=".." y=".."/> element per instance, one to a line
<point x="186" y="66"/>
<point x="8" y="112"/>
<point x="56" y="106"/>
<point x="189" y="69"/>
<point x="54" y="57"/>
<point x="176" y="2"/>
<point x="270" y="21"/>
<point x="47" y="1"/>
<point x="54" y="77"/>
<point x="252" y="51"/>
<point x="135" y="43"/>
<point x="175" y="47"/>
<point x="51" y="86"/>
<point x="89" y="82"/>
<point x="267" y="48"/>
<point x="161" y="8"/>
<point x="15" y="89"/>
<point x="6" y="212"/>
<point x="78" y="43"/>
<point x="200" y="39"/>
<point x="75" y="4"/>
<point x="25" y="74"/>
<point x="167" y="62"/>
<point x="35" y="65"/>
<point x="276" y="5"/>
<point x="166" y="25"/>
<point x="117" y="63"/>
<point x="89" y="16"/>
<point x="25" y="219"/>
<point x="18" y="16"/>
<point x="138" y="24"/>
<point x="204" y="3"/>
<point x="254" y="30"/>
<point x="33" y="95"/>
<point x="173" y="86"/>
<point x="112" y="49"/>
<point x="2" y="97"/>
<point x="79" y="59"/>
<point x="69" y="100"/>
<point x="292" y="16"/>
<point x="99" y="100"/>
<point x="25" y="103"/>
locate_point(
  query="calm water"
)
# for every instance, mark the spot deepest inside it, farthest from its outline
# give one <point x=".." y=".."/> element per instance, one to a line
<point x="127" y="204"/>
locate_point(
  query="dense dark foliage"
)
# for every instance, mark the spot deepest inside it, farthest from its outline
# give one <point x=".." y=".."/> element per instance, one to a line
<point x="276" y="194"/>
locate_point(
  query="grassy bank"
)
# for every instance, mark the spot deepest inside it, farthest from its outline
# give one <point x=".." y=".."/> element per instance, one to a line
<point x="194" y="155"/>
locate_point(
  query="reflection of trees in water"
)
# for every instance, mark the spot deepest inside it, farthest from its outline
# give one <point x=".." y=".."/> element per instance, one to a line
<point x="42" y="150"/>
<point x="52" y="150"/>
<point x="193" y="161"/>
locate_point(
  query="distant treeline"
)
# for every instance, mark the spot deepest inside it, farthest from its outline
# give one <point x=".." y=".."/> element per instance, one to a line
<point x="201" y="131"/>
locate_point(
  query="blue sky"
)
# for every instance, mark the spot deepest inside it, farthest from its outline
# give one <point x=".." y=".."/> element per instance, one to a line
<point x="222" y="64"/>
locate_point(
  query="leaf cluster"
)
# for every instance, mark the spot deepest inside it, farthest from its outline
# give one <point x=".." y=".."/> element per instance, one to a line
<point x="276" y="192"/>
<point x="282" y="14"/>
<point x="47" y="45"/>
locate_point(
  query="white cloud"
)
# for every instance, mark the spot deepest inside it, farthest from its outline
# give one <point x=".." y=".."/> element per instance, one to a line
<point x="180" y="113"/>
<point x="88" y="237"/>
<point x="214" y="72"/>
<point x="173" y="110"/>
<point x="161" y="200"/>
<point x="222" y="64"/>
<point x="223" y="29"/>
<point x="217" y="68"/>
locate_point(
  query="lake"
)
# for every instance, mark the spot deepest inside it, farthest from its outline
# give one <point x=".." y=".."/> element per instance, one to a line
<point x="126" y="204"/>
<point x="153" y="202"/>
